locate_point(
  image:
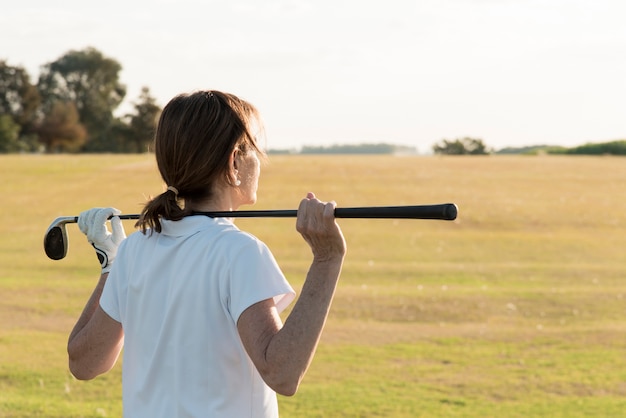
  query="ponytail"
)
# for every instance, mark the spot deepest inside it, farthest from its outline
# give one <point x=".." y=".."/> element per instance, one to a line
<point x="164" y="206"/>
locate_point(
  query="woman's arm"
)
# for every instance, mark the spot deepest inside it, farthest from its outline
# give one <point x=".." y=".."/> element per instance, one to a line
<point x="283" y="353"/>
<point x="96" y="340"/>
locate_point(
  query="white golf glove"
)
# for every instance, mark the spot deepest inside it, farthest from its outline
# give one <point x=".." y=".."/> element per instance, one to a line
<point x="92" y="223"/>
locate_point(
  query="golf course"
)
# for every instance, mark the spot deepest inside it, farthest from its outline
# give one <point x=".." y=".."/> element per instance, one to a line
<point x="515" y="309"/>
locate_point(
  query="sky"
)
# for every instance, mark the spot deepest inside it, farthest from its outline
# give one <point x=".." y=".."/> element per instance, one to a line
<point x="322" y="72"/>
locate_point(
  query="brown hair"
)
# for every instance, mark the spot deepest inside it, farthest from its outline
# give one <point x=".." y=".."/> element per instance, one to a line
<point x="195" y="137"/>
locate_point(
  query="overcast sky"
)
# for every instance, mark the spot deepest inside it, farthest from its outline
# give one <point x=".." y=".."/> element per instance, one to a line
<point x="511" y="72"/>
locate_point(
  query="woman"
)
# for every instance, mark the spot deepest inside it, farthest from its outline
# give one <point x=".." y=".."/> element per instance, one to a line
<point x="195" y="301"/>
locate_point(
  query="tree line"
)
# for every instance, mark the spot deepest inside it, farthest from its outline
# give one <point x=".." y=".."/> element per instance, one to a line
<point x="475" y="146"/>
<point x="464" y="146"/>
<point x="70" y="108"/>
<point x="617" y="147"/>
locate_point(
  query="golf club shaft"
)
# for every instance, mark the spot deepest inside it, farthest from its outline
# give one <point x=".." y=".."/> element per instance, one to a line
<point x="445" y="211"/>
<point x="56" y="241"/>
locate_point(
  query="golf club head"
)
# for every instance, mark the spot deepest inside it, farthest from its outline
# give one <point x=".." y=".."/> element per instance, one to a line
<point x="55" y="240"/>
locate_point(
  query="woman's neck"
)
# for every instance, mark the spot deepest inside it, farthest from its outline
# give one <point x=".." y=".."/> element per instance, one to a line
<point x="219" y="202"/>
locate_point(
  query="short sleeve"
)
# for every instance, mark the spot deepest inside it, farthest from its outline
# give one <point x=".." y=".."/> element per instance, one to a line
<point x="255" y="276"/>
<point x="110" y="298"/>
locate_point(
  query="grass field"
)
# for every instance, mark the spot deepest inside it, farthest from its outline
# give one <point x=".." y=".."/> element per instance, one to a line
<point x="517" y="309"/>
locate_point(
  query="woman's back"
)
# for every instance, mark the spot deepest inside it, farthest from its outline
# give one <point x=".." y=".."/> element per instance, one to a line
<point x="178" y="295"/>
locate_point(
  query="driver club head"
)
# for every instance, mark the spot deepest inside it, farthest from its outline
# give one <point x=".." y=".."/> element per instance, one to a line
<point x="55" y="239"/>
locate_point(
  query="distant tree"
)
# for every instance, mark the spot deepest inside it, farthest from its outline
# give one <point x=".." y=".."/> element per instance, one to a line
<point x="601" y="148"/>
<point x="9" y="134"/>
<point x="461" y="146"/>
<point x="19" y="100"/>
<point x="91" y="81"/>
<point x="142" y="123"/>
<point x="533" y="150"/>
<point x="61" y="130"/>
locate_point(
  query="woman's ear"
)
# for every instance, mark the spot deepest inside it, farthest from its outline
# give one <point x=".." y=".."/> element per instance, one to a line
<point x="233" y="164"/>
<point x="233" y="172"/>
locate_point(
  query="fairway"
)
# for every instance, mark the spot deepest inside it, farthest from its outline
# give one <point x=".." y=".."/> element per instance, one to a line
<point x="516" y="309"/>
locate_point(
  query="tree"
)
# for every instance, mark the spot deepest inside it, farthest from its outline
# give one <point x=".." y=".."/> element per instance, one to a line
<point x="602" y="148"/>
<point x="19" y="100"/>
<point x="91" y="81"/>
<point x="462" y="146"/>
<point x="9" y="134"/>
<point x="142" y="123"/>
<point x="61" y="129"/>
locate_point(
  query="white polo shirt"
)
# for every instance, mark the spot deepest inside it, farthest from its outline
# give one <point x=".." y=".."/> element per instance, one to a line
<point x="178" y="295"/>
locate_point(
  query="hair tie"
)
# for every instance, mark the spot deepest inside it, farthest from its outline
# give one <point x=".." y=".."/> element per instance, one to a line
<point x="173" y="189"/>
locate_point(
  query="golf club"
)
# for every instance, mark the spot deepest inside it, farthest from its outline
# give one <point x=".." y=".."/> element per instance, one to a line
<point x="55" y="241"/>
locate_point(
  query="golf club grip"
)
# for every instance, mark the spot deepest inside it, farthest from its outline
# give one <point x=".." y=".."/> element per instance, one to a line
<point x="444" y="211"/>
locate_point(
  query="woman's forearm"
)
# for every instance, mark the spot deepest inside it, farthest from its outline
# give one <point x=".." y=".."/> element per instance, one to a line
<point x="96" y="340"/>
<point x="291" y="350"/>
<point x="90" y="307"/>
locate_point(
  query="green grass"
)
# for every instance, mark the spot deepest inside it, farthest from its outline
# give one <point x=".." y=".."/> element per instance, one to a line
<point x="514" y="310"/>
